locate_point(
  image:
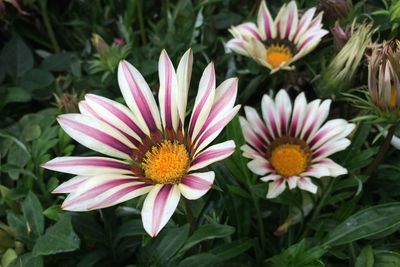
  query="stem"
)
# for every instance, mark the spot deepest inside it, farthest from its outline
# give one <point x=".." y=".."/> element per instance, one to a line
<point x="382" y="151"/>
<point x="141" y="22"/>
<point x="319" y="207"/>
<point x="190" y="216"/>
<point x="259" y="222"/>
<point x="49" y="29"/>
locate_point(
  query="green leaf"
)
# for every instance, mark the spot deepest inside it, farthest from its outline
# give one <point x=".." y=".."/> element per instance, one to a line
<point x="32" y="210"/>
<point x="27" y="260"/>
<point x="36" y="79"/>
<point x="17" y="95"/>
<point x="207" y="232"/>
<point x="17" y="56"/>
<point x="200" y="260"/>
<point x="9" y="256"/>
<point x="57" y="239"/>
<point x="57" y="62"/>
<point x="387" y="259"/>
<point x="231" y="250"/>
<point x="366" y="258"/>
<point x="53" y="212"/>
<point x="171" y="242"/>
<point x="365" y="223"/>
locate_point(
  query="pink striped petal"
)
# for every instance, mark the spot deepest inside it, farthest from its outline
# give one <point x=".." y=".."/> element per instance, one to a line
<point x="334" y="168"/>
<point x="305" y="183"/>
<point x="167" y="96"/>
<point x="250" y="153"/>
<point x="248" y="30"/>
<point x="298" y="115"/>
<point x="270" y="116"/>
<point x="271" y="177"/>
<point x="214" y="130"/>
<point x="96" y="135"/>
<point x="289" y="21"/>
<point x="310" y="117"/>
<point x="196" y="185"/>
<point x="184" y="74"/>
<point x="330" y="148"/>
<point x="251" y="137"/>
<point x="204" y="101"/>
<point x="257" y="125"/>
<point x="224" y="99"/>
<point x="260" y="166"/>
<point x="265" y="22"/>
<point x="97" y="189"/>
<point x="116" y="115"/>
<point x="159" y="206"/>
<point x="276" y="188"/>
<point x="329" y="130"/>
<point x="321" y="115"/>
<point x="138" y="96"/>
<point x="212" y="154"/>
<point x="292" y="182"/>
<point x="316" y="171"/>
<point x="70" y="186"/>
<point x="88" y="165"/>
<point x="304" y="23"/>
<point x="308" y="42"/>
<point x="237" y="46"/>
<point x="284" y="109"/>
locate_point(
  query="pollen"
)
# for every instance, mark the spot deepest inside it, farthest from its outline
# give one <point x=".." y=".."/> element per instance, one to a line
<point x="289" y="160"/>
<point x="166" y="163"/>
<point x="278" y="54"/>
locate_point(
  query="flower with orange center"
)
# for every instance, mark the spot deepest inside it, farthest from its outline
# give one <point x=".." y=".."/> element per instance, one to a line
<point x="150" y="150"/>
<point x="292" y="143"/>
<point x="276" y="44"/>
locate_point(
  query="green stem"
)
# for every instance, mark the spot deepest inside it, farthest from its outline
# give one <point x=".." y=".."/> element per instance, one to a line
<point x="382" y="151"/>
<point x="319" y="207"/>
<point x="141" y="21"/>
<point x="49" y="29"/>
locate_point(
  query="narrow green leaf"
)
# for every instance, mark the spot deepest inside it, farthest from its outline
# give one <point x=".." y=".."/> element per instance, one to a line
<point x="366" y="258"/>
<point x="365" y="223"/>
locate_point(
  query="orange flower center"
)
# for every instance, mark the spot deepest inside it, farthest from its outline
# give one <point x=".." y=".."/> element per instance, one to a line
<point x="166" y="163"/>
<point x="289" y="159"/>
<point x="278" y="54"/>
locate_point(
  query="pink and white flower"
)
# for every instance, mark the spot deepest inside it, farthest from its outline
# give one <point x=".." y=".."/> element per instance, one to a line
<point x="278" y="43"/>
<point x="147" y="146"/>
<point x="292" y="143"/>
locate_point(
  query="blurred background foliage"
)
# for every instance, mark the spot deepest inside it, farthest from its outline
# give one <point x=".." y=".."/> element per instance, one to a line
<point x="54" y="52"/>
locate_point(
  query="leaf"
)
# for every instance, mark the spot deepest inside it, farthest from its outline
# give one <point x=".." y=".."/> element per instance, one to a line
<point x="172" y="242"/>
<point x="27" y="260"/>
<point x="57" y="62"/>
<point x="32" y="210"/>
<point x="17" y="95"/>
<point x="207" y="232"/>
<point x="17" y="56"/>
<point x="9" y="256"/>
<point x="53" y="212"/>
<point x="200" y="260"/>
<point x="387" y="259"/>
<point x="231" y="250"/>
<point x="365" y="223"/>
<point x="366" y="258"/>
<point x="58" y="238"/>
<point x="36" y="79"/>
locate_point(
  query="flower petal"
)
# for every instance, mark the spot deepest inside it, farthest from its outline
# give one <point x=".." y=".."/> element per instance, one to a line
<point x="237" y="46"/>
<point x="88" y="165"/>
<point x="159" y="206"/>
<point x="289" y="21"/>
<point x="96" y="135"/>
<point x="298" y="115"/>
<point x="213" y="154"/>
<point x="304" y="23"/>
<point x="196" y="185"/>
<point x="184" y="75"/>
<point x="276" y="188"/>
<point x="167" y="96"/>
<point x="270" y="116"/>
<point x="250" y="153"/>
<point x="103" y="191"/>
<point x="271" y="177"/>
<point x="260" y="166"/>
<point x="70" y="186"/>
<point x="265" y="22"/>
<point x="284" y="109"/>
<point x="330" y="148"/>
<point x="138" y="96"/>
<point x="257" y="125"/>
<point x="204" y="101"/>
<point x="292" y="181"/>
<point x="334" y="168"/>
<point x="305" y="183"/>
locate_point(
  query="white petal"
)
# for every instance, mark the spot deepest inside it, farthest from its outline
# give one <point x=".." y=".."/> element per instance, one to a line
<point x="276" y="188"/>
<point x="306" y="184"/>
<point x="196" y="185"/>
<point x="158" y="207"/>
<point x="184" y="75"/>
<point x="260" y="166"/>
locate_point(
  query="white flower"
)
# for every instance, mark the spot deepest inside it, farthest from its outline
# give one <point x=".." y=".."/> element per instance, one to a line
<point x="293" y="144"/>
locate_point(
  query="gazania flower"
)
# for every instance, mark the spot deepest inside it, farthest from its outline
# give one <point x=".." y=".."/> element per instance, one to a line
<point x="150" y="150"/>
<point x="293" y="144"/>
<point x="278" y="43"/>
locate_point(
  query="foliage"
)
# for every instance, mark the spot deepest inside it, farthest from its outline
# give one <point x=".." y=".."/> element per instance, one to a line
<point x="48" y="62"/>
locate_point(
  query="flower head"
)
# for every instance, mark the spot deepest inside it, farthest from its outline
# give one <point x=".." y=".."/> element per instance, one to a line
<point x="155" y="153"/>
<point x="293" y="144"/>
<point x="383" y="77"/>
<point x="278" y="43"/>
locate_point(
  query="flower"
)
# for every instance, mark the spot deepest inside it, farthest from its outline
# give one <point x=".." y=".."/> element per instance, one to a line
<point x="292" y="145"/>
<point x="340" y="35"/>
<point x="277" y="44"/>
<point x="155" y="153"/>
<point x="383" y="77"/>
<point x="335" y="9"/>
